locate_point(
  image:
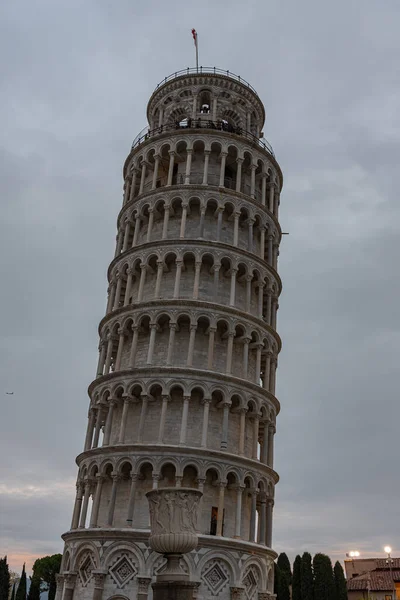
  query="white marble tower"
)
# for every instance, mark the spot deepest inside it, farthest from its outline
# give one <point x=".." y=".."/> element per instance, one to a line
<point x="184" y="393"/>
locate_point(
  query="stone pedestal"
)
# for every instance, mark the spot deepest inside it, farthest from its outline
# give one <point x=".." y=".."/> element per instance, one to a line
<point x="175" y="590"/>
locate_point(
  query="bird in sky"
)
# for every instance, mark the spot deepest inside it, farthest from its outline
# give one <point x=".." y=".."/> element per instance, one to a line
<point x="9" y="393"/>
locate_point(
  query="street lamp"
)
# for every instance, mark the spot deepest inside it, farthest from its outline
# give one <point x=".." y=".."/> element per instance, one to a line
<point x="353" y="554"/>
<point x="389" y="561"/>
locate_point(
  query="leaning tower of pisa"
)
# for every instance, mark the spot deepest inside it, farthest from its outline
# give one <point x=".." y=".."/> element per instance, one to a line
<point x="184" y="392"/>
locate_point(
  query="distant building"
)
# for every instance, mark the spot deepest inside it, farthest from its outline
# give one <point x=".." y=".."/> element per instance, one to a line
<point x="372" y="579"/>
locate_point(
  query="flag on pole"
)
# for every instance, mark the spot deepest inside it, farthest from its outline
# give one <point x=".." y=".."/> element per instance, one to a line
<point x="195" y="36"/>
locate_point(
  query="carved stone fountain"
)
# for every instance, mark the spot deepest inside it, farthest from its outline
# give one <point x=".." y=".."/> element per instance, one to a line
<point x="173" y="522"/>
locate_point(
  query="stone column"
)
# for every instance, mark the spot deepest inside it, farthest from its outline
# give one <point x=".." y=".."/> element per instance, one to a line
<point x="249" y="279"/>
<point x="225" y="424"/>
<point x="99" y="420"/>
<point x="188" y="165"/>
<point x="211" y="339"/>
<point x="262" y="243"/>
<point x="251" y="234"/>
<point x="143" y="270"/>
<point x="160" y="268"/>
<point x="258" y="348"/>
<point x="69" y="585"/>
<point x="253" y="181"/>
<point x="206" y="161"/>
<point x="252" y="536"/>
<point x="256" y="423"/>
<point x="136" y="231"/>
<point x="155" y="172"/>
<point x="90" y="429"/>
<point x="118" y="291"/>
<point x="128" y="286"/>
<point x="263" y="519"/>
<point x="246" y="342"/>
<point x="111" y="340"/>
<point x="196" y="280"/>
<point x="233" y="287"/>
<point x="126" y="236"/>
<point x="222" y="170"/>
<point x="192" y="339"/>
<point x="60" y="586"/>
<point x="165" y="399"/>
<point x="133" y="184"/>
<point x="96" y="502"/>
<point x="124" y="418"/>
<point x="111" y="508"/>
<point x="86" y="496"/>
<point x="264" y="189"/>
<point x="219" y="211"/>
<point x="266" y="371"/>
<point x="242" y="430"/>
<point x="214" y="108"/>
<point x="78" y="505"/>
<point x="206" y="404"/>
<point x="270" y="506"/>
<point x="270" y="248"/>
<point x="150" y="225"/>
<point x="183" y="220"/>
<point x="132" y="354"/>
<point x="99" y="579"/>
<point x="143" y="177"/>
<point x="185" y="411"/>
<point x="264" y="453"/>
<point x="143" y="587"/>
<point x="126" y="192"/>
<point x="121" y="333"/>
<point x="153" y="330"/>
<point x="110" y="299"/>
<point x="131" y="502"/>
<point x="107" y="429"/>
<point x="238" y="520"/>
<point x="145" y="400"/>
<point x="239" y="174"/>
<point x="179" y="263"/>
<point x="166" y="220"/>
<point x="268" y="310"/>
<point x="202" y="218"/>
<point x="172" y="329"/>
<point x="276" y="203"/>
<point x="221" y="500"/>
<point x="170" y="167"/>
<point x="229" y="353"/>
<point x="271" y="433"/>
<point x="272" y="376"/>
<point x="217" y="267"/>
<point x="236" y="228"/>
<point x="271" y="198"/>
<point x="119" y="244"/>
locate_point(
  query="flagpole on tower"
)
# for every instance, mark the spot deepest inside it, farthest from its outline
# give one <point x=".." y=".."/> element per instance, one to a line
<point x="196" y="44"/>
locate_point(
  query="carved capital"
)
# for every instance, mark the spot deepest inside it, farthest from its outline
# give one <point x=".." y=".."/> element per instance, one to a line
<point x="143" y="584"/>
<point x="99" y="579"/>
<point x="70" y="579"/>
<point x="237" y="593"/>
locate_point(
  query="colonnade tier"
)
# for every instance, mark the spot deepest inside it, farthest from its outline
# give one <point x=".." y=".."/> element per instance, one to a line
<point x="185" y="160"/>
<point x="180" y="334"/>
<point x="117" y="483"/>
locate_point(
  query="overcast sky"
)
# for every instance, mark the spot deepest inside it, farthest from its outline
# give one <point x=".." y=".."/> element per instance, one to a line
<point x="75" y="80"/>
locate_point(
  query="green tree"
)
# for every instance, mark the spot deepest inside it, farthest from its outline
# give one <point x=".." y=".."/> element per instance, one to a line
<point x="281" y="584"/>
<point x="34" y="590"/>
<point x="340" y="582"/>
<point x="4" y="579"/>
<point x="284" y="565"/>
<point x="46" y="569"/>
<point x="13" y="592"/>
<point x="324" y="587"/>
<point x="21" y="591"/>
<point x="296" y="579"/>
<point x="307" y="577"/>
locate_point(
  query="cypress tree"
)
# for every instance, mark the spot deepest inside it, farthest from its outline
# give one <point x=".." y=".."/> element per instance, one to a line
<point x="284" y="564"/>
<point x="21" y="591"/>
<point x="307" y="577"/>
<point x="324" y="588"/>
<point x="13" y="592"/>
<point x="34" y="590"/>
<point x="281" y="584"/>
<point x="296" y="579"/>
<point x="4" y="579"/>
<point x="340" y="582"/>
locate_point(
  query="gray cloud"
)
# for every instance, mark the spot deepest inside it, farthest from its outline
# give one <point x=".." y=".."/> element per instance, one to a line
<point x="73" y="93"/>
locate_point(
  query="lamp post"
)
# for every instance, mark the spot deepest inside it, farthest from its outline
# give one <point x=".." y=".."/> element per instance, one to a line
<point x="389" y="561"/>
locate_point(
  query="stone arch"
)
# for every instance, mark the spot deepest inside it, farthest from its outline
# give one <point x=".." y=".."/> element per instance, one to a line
<point x="257" y="565"/>
<point x="217" y="570"/>
<point x="117" y="547"/>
